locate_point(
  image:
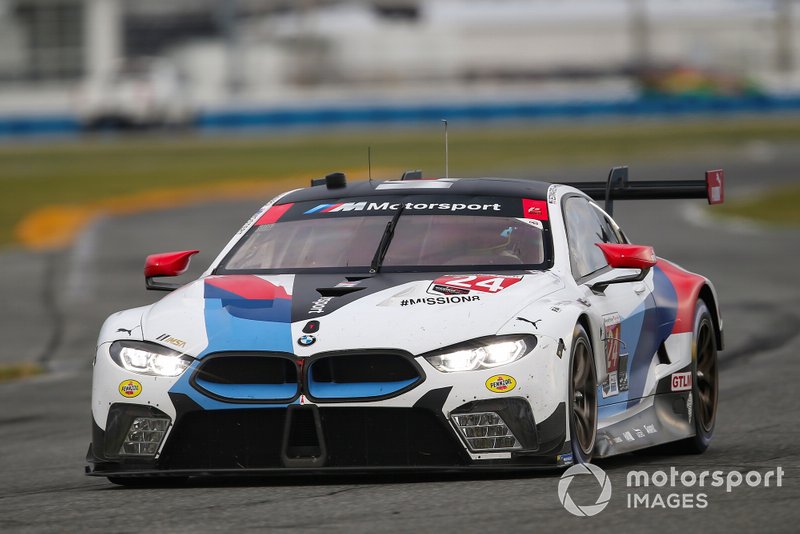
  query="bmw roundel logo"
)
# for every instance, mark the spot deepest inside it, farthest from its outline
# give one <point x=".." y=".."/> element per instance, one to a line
<point x="306" y="340"/>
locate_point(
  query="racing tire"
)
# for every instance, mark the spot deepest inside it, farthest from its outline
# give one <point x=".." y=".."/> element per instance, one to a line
<point x="705" y="386"/>
<point x="582" y="398"/>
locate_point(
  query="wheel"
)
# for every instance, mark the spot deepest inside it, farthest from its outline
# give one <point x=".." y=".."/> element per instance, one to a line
<point x="705" y="387"/>
<point x="582" y="398"/>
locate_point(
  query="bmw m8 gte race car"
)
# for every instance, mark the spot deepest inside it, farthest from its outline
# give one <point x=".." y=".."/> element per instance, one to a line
<point x="413" y="324"/>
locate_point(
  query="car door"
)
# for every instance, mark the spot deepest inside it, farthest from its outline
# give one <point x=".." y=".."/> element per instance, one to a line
<point x="625" y="308"/>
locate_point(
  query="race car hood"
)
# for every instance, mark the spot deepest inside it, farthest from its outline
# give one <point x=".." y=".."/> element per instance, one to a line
<point x="307" y="314"/>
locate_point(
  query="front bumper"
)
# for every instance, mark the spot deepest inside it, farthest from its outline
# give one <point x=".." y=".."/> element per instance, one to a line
<point x="326" y="438"/>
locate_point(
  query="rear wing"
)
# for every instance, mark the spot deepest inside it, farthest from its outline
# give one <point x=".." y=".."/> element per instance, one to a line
<point x="617" y="187"/>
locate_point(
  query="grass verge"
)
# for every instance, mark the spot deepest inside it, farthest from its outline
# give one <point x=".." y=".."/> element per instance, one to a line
<point x="75" y="178"/>
<point x="777" y="207"/>
<point x="14" y="371"/>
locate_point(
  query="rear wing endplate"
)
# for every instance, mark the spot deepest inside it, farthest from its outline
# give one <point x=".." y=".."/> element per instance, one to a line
<point x="617" y="187"/>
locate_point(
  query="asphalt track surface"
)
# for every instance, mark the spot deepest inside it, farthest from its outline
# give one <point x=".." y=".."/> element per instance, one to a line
<point x="45" y="421"/>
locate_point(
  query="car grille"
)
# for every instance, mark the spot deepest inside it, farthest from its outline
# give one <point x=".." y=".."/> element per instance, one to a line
<point x="361" y="375"/>
<point x="226" y="439"/>
<point x="248" y="377"/>
<point x="277" y="378"/>
<point x="246" y="369"/>
<point x="352" y="437"/>
<point x="388" y="436"/>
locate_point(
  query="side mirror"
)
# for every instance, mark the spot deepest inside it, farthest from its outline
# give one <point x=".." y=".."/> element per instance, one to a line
<point x="623" y="256"/>
<point x="166" y="264"/>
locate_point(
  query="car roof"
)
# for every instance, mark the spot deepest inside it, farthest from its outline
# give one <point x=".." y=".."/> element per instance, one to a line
<point x="499" y="187"/>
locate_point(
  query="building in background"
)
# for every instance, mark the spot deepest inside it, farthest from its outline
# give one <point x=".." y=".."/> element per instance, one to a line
<point x="160" y="61"/>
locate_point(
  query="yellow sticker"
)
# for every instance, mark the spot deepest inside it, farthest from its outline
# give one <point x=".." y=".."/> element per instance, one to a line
<point x="130" y="388"/>
<point x="501" y="383"/>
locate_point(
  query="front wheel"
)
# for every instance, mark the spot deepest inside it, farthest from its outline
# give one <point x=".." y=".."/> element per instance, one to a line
<point x="582" y="398"/>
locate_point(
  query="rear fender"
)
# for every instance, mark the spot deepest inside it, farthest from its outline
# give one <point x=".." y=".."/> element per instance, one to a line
<point x="676" y="293"/>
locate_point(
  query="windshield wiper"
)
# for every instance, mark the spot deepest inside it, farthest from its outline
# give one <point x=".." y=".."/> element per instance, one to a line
<point x="383" y="246"/>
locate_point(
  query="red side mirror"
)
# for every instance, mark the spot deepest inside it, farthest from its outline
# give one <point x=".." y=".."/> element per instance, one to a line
<point x="166" y="264"/>
<point x="620" y="256"/>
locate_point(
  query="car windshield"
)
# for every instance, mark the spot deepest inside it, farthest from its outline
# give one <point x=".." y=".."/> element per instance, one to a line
<point x="422" y="240"/>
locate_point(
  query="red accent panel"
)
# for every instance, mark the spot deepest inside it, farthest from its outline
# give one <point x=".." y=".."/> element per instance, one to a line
<point x="687" y="287"/>
<point x="625" y="256"/>
<point x="273" y="214"/>
<point x="715" y="184"/>
<point x="249" y="287"/>
<point x="534" y="209"/>
<point x="168" y="263"/>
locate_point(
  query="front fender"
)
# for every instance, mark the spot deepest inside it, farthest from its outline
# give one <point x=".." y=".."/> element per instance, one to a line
<point x="125" y="324"/>
<point x="556" y="319"/>
<point x="553" y="322"/>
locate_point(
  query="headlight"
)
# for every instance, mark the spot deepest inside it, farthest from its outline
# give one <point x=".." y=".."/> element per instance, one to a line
<point x="149" y="358"/>
<point x="483" y="353"/>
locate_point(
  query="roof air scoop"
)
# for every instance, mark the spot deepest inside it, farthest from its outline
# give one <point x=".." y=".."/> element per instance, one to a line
<point x="334" y="180"/>
<point x="412" y="175"/>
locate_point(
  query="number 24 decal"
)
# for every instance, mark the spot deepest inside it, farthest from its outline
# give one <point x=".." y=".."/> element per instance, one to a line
<point x="485" y="283"/>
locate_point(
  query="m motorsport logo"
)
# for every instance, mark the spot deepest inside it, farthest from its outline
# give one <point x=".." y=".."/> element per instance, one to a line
<point x="394" y="206"/>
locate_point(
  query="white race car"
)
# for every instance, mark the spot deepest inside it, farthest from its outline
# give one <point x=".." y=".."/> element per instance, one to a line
<point x="413" y="324"/>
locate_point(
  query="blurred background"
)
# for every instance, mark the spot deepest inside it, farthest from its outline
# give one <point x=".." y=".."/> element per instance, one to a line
<point x="103" y="99"/>
<point x="119" y="106"/>
<point x="68" y="65"/>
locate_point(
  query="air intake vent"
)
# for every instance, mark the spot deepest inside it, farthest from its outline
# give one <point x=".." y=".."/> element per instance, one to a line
<point x="352" y="368"/>
<point x="360" y="376"/>
<point x="248" y="377"/>
<point x="249" y="370"/>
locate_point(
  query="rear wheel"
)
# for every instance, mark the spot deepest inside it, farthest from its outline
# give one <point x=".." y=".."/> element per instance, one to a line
<point x="582" y="397"/>
<point x="705" y="385"/>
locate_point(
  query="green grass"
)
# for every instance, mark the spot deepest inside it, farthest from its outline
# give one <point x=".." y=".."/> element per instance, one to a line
<point x="36" y="175"/>
<point x="779" y="207"/>
<point x="16" y="371"/>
